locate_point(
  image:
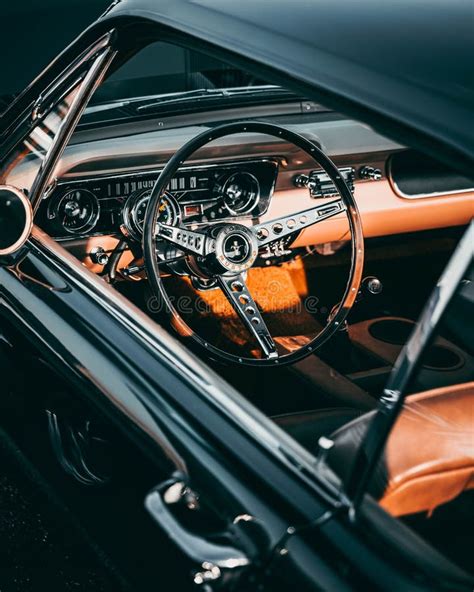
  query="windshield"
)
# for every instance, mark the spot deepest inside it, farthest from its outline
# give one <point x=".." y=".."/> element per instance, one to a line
<point x="163" y="69"/>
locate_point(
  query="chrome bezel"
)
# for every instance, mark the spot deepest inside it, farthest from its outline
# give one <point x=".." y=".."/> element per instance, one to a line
<point x="250" y="239"/>
<point x="92" y="220"/>
<point x="252" y="202"/>
<point x="129" y="211"/>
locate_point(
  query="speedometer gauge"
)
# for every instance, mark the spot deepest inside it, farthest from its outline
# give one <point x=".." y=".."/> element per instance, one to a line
<point x="135" y="212"/>
<point x="76" y="211"/>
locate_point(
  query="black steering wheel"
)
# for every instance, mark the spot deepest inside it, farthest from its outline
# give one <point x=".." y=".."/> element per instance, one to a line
<point x="213" y="253"/>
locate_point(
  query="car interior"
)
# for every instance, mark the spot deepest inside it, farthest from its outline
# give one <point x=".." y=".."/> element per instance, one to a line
<point x="280" y="304"/>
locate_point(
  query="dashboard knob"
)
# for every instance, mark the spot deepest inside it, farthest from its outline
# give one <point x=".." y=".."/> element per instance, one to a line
<point x="309" y="181"/>
<point x="99" y="256"/>
<point x="374" y="285"/>
<point x="72" y="209"/>
<point x="301" y="181"/>
<point x="369" y="286"/>
<point x="370" y="173"/>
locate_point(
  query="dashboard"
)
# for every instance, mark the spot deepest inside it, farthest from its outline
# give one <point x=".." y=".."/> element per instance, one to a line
<point x="105" y="177"/>
<point x="196" y="195"/>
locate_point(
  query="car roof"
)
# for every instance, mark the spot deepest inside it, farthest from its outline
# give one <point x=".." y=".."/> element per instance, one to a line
<point x="409" y="61"/>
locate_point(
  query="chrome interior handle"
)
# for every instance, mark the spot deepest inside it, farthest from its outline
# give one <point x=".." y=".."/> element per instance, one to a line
<point x="195" y="547"/>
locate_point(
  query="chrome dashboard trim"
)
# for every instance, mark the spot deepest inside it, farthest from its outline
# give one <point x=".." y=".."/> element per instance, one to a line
<point x="79" y="237"/>
<point x="153" y="171"/>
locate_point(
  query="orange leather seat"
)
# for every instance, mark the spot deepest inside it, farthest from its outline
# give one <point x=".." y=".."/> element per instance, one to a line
<point x="429" y="457"/>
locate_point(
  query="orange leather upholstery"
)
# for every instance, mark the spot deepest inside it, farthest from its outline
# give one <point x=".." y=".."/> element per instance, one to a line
<point x="382" y="212"/>
<point x="429" y="457"/>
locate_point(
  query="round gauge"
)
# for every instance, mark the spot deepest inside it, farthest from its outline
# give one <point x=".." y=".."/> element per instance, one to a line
<point x="77" y="211"/>
<point x="241" y="193"/>
<point x="135" y="212"/>
<point x="139" y="211"/>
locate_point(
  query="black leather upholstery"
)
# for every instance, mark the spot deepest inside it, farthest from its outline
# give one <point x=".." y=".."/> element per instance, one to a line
<point x="307" y="427"/>
<point x="345" y="426"/>
<point x="348" y="439"/>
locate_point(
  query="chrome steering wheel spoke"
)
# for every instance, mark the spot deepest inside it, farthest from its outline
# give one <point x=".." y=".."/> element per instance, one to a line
<point x="279" y="228"/>
<point x="237" y="293"/>
<point x="189" y="241"/>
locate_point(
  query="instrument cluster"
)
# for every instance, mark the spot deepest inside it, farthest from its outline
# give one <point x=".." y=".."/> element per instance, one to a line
<point x="196" y="195"/>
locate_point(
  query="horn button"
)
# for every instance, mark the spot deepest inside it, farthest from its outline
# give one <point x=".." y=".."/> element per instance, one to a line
<point x="236" y="249"/>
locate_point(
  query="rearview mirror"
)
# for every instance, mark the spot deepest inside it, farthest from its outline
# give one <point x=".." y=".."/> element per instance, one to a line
<point x="16" y="219"/>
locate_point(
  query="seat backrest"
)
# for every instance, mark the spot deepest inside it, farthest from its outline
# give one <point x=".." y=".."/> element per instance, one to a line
<point x="429" y="456"/>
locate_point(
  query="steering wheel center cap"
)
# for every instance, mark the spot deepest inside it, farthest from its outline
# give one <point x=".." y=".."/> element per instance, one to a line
<point x="236" y="248"/>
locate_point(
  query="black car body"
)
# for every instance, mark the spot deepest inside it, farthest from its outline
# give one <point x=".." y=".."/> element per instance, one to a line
<point x="167" y="418"/>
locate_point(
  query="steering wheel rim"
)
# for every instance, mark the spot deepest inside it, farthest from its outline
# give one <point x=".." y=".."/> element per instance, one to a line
<point x="151" y="260"/>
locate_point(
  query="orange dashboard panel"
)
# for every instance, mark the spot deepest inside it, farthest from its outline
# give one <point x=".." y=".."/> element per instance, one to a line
<point x="382" y="211"/>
